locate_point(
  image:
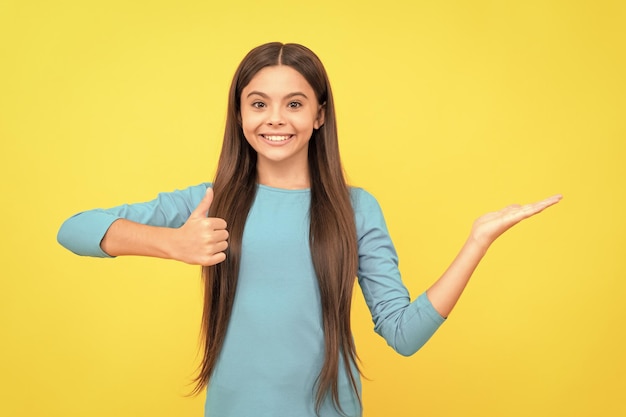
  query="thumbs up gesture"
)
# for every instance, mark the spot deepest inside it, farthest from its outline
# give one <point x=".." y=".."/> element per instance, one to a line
<point x="202" y="240"/>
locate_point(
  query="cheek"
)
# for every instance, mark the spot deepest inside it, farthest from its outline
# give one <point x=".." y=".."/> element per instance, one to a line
<point x="309" y="122"/>
<point x="248" y="122"/>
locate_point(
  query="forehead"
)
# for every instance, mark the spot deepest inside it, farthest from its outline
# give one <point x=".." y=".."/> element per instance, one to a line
<point x="278" y="79"/>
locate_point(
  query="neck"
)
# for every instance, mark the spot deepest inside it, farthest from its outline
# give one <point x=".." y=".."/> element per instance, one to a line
<point x="285" y="177"/>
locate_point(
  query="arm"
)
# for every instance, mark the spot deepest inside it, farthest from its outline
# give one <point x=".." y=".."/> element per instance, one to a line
<point x="447" y="290"/>
<point x="404" y="325"/>
<point x="168" y="227"/>
<point x="407" y="325"/>
<point x="200" y="241"/>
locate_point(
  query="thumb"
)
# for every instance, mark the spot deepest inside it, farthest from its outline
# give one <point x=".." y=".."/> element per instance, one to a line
<point x="202" y="210"/>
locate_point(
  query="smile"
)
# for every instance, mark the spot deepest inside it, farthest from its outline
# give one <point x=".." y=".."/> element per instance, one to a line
<point x="277" y="138"/>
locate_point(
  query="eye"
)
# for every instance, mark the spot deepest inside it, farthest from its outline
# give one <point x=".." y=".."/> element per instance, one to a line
<point x="294" y="104"/>
<point x="258" y="105"/>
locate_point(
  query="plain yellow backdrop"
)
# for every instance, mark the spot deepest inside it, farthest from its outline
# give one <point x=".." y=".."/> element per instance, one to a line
<point x="446" y="110"/>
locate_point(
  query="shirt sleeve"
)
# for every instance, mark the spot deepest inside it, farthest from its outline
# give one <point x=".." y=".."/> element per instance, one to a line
<point x="83" y="232"/>
<point x="405" y="325"/>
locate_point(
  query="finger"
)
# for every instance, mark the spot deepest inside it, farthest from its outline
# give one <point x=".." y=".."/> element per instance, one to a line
<point x="537" y="207"/>
<point x="214" y="259"/>
<point x="217" y="235"/>
<point x="219" y="247"/>
<point x="202" y="209"/>
<point x="553" y="199"/>
<point x="215" y="223"/>
<point x="548" y="202"/>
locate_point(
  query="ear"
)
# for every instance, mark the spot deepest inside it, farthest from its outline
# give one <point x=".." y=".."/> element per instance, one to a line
<point x="321" y="111"/>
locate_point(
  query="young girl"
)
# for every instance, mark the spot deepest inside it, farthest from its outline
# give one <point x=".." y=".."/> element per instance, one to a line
<point x="281" y="237"/>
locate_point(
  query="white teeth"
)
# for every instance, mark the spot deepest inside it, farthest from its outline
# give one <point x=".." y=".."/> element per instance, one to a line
<point x="277" y="138"/>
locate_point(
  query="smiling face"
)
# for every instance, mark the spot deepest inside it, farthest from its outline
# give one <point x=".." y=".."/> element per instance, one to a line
<point x="279" y="111"/>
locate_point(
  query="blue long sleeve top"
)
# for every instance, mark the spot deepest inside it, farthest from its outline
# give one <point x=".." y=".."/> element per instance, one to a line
<point x="274" y="347"/>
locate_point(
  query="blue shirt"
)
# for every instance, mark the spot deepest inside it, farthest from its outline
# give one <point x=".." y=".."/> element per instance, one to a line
<point x="274" y="347"/>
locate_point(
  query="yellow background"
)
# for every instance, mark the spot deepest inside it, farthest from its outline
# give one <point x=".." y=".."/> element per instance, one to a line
<point x="446" y="110"/>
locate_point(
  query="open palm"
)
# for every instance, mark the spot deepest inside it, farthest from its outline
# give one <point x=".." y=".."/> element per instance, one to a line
<point x="489" y="226"/>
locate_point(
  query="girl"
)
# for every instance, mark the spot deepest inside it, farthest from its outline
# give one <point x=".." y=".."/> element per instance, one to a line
<point x="281" y="237"/>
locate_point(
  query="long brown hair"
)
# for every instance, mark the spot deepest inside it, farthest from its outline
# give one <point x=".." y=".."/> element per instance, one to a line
<point x="332" y="228"/>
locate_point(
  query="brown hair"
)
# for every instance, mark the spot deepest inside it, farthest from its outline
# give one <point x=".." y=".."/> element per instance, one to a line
<point x="332" y="228"/>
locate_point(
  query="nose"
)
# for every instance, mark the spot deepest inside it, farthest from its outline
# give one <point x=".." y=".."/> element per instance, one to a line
<point x="275" y="117"/>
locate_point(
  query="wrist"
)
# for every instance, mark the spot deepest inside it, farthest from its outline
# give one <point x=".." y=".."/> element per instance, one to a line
<point x="477" y="244"/>
<point x="166" y="243"/>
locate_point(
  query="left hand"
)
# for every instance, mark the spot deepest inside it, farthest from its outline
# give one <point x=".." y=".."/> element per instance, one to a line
<point x="488" y="227"/>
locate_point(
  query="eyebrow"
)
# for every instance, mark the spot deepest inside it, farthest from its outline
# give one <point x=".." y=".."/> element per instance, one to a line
<point x="290" y="95"/>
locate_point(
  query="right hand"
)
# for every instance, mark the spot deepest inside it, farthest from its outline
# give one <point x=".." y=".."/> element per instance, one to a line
<point x="202" y="240"/>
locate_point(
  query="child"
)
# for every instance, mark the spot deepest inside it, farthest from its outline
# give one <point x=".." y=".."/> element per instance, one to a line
<point x="281" y="237"/>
